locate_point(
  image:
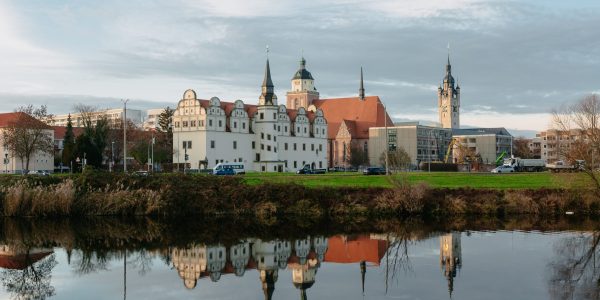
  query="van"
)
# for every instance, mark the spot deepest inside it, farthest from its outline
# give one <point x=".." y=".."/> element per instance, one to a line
<point x="238" y="168"/>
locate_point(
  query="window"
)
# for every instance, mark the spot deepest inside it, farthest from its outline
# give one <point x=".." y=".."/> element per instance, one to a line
<point x="268" y="147"/>
<point x="285" y="146"/>
<point x="240" y="159"/>
<point x="275" y="116"/>
<point x="234" y="124"/>
<point x="262" y="146"/>
<point x="189" y="144"/>
<point x="320" y="164"/>
<point x="295" y="148"/>
<point x="234" y="144"/>
<point x="253" y="144"/>
<point x="262" y="116"/>
<point x="320" y="147"/>
<point x="263" y="169"/>
<point x="243" y="125"/>
<point x="212" y="144"/>
<point x="209" y="122"/>
<point x="268" y="137"/>
<point x="262" y="135"/>
<point x="304" y="129"/>
<point x="303" y="147"/>
<point x="275" y="149"/>
<point x="295" y="164"/>
<point x="275" y="138"/>
<point x="278" y="128"/>
<point x="185" y="124"/>
<point x="201" y="123"/>
<point x="193" y="123"/>
<point x="216" y="162"/>
<point x="220" y="123"/>
<point x="285" y="128"/>
<point x="257" y="156"/>
<point x="312" y="147"/>
<point x="274" y="127"/>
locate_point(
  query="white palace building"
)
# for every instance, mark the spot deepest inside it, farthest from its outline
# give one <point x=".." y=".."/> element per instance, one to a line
<point x="266" y="137"/>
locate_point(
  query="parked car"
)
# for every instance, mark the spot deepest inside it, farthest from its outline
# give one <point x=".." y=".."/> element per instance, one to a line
<point x="224" y="171"/>
<point x="38" y="173"/>
<point x="140" y="173"/>
<point x="503" y="169"/>
<point x="374" y="171"/>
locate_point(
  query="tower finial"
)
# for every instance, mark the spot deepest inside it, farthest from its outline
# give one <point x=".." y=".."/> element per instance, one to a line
<point x="448" y="53"/>
<point x="361" y="89"/>
<point x="267" y="52"/>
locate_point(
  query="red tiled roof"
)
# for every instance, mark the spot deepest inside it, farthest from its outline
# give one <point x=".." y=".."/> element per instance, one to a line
<point x="364" y="113"/>
<point x="7" y="119"/>
<point x="362" y="248"/>
<point x="21" y="261"/>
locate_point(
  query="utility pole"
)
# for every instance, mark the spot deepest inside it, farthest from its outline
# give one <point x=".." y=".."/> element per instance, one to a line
<point x="125" y="135"/>
<point x="152" y="146"/>
<point x="112" y="156"/>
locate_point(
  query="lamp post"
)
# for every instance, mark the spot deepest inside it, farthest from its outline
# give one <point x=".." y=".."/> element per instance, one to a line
<point x="125" y="135"/>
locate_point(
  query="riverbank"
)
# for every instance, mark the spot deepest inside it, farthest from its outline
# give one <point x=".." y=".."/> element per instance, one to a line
<point x="99" y="193"/>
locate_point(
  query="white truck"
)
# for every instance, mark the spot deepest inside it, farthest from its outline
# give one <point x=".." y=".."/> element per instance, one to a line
<point x="561" y="166"/>
<point x="526" y="164"/>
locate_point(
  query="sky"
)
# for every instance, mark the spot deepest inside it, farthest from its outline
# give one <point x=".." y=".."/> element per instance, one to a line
<point x="515" y="61"/>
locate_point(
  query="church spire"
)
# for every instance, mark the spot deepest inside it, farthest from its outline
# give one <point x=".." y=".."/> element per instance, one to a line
<point x="267" y="96"/>
<point x="361" y="90"/>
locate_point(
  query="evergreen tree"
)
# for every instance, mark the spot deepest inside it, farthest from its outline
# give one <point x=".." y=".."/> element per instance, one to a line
<point x="68" y="144"/>
<point x="164" y="120"/>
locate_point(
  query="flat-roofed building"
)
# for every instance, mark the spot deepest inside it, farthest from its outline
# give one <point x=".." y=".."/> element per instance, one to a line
<point x="422" y="143"/>
<point x="114" y="116"/>
<point x="488" y="143"/>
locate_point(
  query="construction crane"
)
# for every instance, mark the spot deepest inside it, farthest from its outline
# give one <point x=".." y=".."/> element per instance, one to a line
<point x="450" y="146"/>
<point x="500" y="158"/>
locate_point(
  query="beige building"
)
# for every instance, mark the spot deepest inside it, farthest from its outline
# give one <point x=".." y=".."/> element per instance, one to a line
<point x="151" y="120"/>
<point x="422" y="143"/>
<point x="555" y="143"/>
<point x="488" y="143"/>
<point x="114" y="116"/>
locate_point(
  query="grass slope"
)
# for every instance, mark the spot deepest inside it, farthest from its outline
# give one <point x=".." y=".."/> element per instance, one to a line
<point x="436" y="179"/>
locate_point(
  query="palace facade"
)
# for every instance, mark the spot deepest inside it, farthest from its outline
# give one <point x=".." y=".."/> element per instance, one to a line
<point x="267" y="137"/>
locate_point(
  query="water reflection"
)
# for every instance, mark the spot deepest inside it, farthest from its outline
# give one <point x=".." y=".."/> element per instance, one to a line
<point x="282" y="258"/>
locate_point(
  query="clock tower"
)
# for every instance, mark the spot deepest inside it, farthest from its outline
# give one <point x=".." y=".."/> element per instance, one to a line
<point x="303" y="90"/>
<point x="449" y="100"/>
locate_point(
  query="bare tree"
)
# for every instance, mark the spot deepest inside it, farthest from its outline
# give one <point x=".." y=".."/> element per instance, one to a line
<point x="521" y="147"/>
<point x="581" y="123"/>
<point x="397" y="159"/>
<point x="29" y="134"/>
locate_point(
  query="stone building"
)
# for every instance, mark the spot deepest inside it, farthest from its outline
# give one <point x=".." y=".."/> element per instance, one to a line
<point x="449" y="100"/>
<point x="266" y="137"/>
<point x="348" y="119"/>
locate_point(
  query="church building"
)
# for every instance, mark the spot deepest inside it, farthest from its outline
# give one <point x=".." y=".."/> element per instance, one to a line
<point x="267" y="137"/>
<point x="348" y="119"/>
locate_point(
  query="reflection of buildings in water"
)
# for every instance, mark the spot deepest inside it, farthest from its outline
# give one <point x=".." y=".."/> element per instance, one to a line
<point x="239" y="255"/>
<point x="303" y="275"/>
<point x="19" y="259"/>
<point x="450" y="257"/>
<point x="303" y="257"/>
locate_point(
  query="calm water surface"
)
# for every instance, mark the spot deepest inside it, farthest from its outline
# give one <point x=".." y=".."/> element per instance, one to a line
<point x="113" y="261"/>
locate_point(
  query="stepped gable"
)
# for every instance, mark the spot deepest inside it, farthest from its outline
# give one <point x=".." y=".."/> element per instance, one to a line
<point x="364" y="113"/>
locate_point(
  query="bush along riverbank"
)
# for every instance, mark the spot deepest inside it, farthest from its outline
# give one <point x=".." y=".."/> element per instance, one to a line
<point x="98" y="193"/>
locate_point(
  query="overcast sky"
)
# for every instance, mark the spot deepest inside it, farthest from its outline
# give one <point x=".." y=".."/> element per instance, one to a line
<point x="514" y="60"/>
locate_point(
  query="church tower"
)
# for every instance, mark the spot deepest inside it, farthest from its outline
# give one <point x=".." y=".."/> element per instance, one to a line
<point x="303" y="90"/>
<point x="450" y="257"/>
<point x="449" y="100"/>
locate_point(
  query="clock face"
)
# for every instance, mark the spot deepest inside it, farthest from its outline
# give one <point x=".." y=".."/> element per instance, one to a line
<point x="444" y="109"/>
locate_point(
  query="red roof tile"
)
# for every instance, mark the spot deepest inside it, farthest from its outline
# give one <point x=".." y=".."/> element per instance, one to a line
<point x="364" y="113"/>
<point x="7" y="119"/>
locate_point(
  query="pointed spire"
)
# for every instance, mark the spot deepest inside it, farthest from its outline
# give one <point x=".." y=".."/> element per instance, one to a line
<point x="267" y="82"/>
<point x="363" y="270"/>
<point x="361" y="90"/>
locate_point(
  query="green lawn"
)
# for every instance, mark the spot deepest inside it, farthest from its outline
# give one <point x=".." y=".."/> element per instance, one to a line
<point x="434" y="179"/>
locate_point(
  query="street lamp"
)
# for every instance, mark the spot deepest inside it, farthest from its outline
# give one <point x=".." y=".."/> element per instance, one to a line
<point x="125" y="135"/>
<point x="112" y="155"/>
<point x="152" y="146"/>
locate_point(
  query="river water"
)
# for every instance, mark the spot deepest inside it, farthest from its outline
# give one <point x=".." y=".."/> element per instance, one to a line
<point x="283" y="259"/>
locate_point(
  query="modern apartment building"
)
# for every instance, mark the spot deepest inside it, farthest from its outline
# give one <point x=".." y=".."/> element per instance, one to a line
<point x="114" y="116"/>
<point x="488" y="143"/>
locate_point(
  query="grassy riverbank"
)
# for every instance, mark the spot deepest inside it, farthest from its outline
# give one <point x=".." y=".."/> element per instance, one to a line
<point x="544" y="180"/>
<point x="99" y="193"/>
